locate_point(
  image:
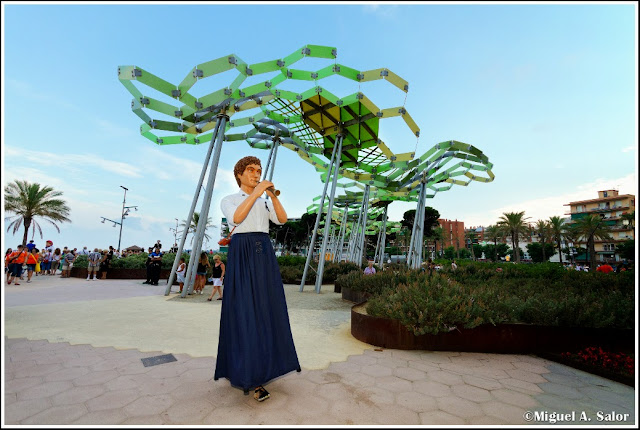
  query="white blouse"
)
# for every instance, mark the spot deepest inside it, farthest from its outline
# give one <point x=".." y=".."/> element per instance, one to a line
<point x="258" y="218"/>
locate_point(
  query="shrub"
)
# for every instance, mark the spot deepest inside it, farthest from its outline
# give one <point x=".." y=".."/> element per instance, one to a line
<point x="544" y="294"/>
<point x="291" y="260"/>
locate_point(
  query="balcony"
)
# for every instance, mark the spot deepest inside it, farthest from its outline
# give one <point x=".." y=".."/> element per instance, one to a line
<point x="598" y="210"/>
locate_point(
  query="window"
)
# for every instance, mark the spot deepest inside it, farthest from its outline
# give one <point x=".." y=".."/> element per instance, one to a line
<point x="604" y="194"/>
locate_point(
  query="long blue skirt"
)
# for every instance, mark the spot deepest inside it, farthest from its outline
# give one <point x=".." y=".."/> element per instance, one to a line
<point x="255" y="343"/>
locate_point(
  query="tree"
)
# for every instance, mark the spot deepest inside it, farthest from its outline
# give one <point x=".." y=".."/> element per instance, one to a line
<point x="514" y="224"/>
<point x="627" y="249"/>
<point x="590" y="228"/>
<point x="630" y="217"/>
<point x="494" y="233"/>
<point x="538" y="252"/>
<point x="30" y="201"/>
<point x="544" y="232"/>
<point x="557" y="230"/>
<point x="471" y="235"/>
<point x="499" y="250"/>
<point x="193" y="225"/>
<point x="438" y="236"/>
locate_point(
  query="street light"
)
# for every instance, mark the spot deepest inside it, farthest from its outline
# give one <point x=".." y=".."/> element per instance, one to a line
<point x="175" y="235"/>
<point x="125" y="212"/>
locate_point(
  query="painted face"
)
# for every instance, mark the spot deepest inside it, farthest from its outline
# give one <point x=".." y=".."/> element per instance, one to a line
<point x="251" y="176"/>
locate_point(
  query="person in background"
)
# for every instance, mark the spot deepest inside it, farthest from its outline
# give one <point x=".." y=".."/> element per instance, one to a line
<point x="30" y="246"/>
<point x="38" y="261"/>
<point x="16" y="260"/>
<point x="156" y="263"/>
<point x="182" y="268"/>
<point x="55" y="261"/>
<point x="201" y="273"/>
<point x="93" y="265"/>
<point x="147" y="264"/>
<point x="67" y="264"/>
<point x="370" y="270"/>
<point x="454" y="266"/>
<point x="105" y="263"/>
<point x="218" y="277"/>
<point x="32" y="260"/>
<point x="47" y="258"/>
<point x="84" y="251"/>
<point x="6" y="262"/>
<point x="605" y="268"/>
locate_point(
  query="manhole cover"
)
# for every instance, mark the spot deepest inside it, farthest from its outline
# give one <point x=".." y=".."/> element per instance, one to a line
<point x="158" y="359"/>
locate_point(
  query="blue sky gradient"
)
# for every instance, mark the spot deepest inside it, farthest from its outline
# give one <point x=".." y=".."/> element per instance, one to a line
<point x="547" y="91"/>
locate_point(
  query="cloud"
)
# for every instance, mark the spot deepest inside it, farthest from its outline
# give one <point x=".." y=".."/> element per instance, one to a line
<point x="72" y="162"/>
<point x="384" y="11"/>
<point x="630" y="148"/>
<point x="26" y="90"/>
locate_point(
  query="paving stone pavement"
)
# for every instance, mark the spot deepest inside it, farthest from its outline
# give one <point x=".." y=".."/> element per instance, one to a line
<point x="53" y="382"/>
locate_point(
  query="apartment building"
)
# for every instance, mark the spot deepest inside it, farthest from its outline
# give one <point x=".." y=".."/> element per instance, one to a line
<point x="610" y="205"/>
<point x="453" y="233"/>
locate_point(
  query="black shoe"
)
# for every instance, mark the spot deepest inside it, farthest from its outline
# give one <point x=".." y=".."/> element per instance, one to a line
<point x="260" y="394"/>
<point x="146" y="282"/>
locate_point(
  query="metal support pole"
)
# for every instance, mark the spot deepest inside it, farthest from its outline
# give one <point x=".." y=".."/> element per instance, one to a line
<point x="353" y="237"/>
<point x="185" y="232"/>
<point x="361" y="241"/>
<point x="318" y="216"/>
<point x="206" y="203"/>
<point x="122" y="216"/>
<point x="417" y="234"/>
<point x="384" y="236"/>
<point x="337" y="253"/>
<point x="327" y="223"/>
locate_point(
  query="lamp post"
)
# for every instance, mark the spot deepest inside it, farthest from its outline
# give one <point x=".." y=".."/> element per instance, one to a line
<point x="125" y="212"/>
<point x="175" y="236"/>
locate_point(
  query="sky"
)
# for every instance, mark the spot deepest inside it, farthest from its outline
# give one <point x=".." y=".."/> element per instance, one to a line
<point x="547" y="91"/>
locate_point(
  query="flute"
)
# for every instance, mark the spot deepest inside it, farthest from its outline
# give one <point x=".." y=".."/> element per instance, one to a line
<point x="274" y="191"/>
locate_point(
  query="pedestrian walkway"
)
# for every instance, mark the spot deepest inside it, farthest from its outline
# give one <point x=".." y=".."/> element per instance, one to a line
<point x="74" y="348"/>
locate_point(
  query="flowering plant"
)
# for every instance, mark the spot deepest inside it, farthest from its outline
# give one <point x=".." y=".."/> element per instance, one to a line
<point x="616" y="361"/>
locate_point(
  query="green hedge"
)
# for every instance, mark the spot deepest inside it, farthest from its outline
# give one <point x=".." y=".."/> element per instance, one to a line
<point x="475" y="294"/>
<point x="291" y="266"/>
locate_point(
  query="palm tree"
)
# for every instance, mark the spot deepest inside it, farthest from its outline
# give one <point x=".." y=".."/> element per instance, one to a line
<point x="471" y="235"/>
<point x="194" y="225"/>
<point x="590" y="228"/>
<point x="29" y="201"/>
<point x="557" y="229"/>
<point x="514" y="224"/>
<point x="494" y="233"/>
<point x="544" y="231"/>
<point x="438" y="236"/>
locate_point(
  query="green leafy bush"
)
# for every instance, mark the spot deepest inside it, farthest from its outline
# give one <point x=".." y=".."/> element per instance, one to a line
<point x="479" y="293"/>
<point x="291" y="260"/>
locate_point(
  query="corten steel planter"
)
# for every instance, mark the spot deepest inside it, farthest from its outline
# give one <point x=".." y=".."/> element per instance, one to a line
<point x="501" y="338"/>
<point x="353" y="295"/>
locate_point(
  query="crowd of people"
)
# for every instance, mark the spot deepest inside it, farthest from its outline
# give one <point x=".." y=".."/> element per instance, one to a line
<point x="47" y="261"/>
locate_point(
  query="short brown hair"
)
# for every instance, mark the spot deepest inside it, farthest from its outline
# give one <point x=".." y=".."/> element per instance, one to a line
<point x="242" y="164"/>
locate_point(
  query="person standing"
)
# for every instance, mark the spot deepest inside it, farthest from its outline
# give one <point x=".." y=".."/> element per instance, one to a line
<point x="255" y="344"/>
<point x="94" y="264"/>
<point x="201" y="273"/>
<point x="182" y="267"/>
<point x="217" y="273"/>
<point x="30" y="246"/>
<point x="55" y="261"/>
<point x="32" y="261"/>
<point x="67" y="264"/>
<point x="147" y="265"/>
<point x="16" y="260"/>
<point x="454" y="266"/>
<point x="156" y="263"/>
<point x="370" y="270"/>
<point x="105" y="264"/>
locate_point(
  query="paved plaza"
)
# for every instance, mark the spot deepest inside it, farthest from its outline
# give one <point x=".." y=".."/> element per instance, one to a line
<point x="74" y="348"/>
